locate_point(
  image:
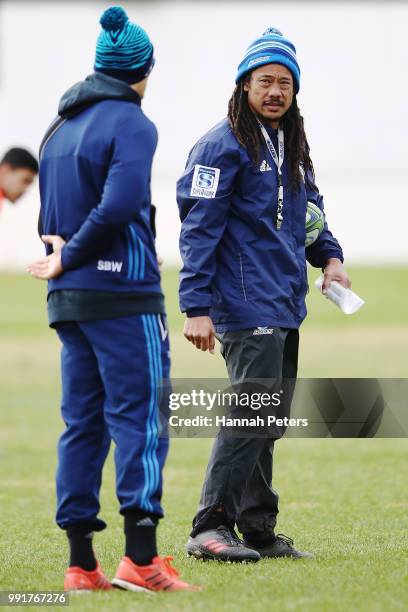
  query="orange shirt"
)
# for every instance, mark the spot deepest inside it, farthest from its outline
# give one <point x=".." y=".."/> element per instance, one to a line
<point x="1" y="199"/>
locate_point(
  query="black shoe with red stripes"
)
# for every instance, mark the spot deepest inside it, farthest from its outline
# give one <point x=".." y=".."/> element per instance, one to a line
<point x="221" y="544"/>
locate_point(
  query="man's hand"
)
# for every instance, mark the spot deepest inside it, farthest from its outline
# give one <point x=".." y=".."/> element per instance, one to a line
<point x="49" y="266"/>
<point x="200" y="331"/>
<point x="334" y="271"/>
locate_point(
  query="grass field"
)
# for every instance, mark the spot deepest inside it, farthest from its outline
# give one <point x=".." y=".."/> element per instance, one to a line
<point x="346" y="500"/>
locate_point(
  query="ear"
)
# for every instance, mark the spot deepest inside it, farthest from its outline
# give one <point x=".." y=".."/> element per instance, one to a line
<point x="246" y="85"/>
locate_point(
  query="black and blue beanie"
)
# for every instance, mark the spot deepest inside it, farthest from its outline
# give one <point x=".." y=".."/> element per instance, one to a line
<point x="123" y="49"/>
<point x="270" y="48"/>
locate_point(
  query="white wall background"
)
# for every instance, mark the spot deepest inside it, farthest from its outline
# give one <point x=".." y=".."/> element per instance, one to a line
<point x="353" y="58"/>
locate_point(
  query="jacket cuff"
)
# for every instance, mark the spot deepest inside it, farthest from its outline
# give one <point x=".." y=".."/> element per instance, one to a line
<point x="65" y="258"/>
<point x="333" y="254"/>
<point x="197" y="312"/>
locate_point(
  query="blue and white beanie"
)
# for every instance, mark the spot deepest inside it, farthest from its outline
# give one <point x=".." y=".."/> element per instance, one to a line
<point x="271" y="48"/>
<point x="123" y="49"/>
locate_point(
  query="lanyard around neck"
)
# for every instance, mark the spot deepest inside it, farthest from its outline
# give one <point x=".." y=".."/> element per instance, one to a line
<point x="278" y="160"/>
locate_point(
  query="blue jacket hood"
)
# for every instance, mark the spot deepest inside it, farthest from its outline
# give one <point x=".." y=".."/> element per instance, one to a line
<point x="96" y="87"/>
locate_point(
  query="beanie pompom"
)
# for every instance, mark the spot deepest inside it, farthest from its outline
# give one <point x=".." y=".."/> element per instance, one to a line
<point x="272" y="31"/>
<point x="114" y="19"/>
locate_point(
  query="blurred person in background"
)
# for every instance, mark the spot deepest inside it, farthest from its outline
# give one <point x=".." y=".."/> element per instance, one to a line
<point x="242" y="202"/>
<point x="18" y="169"/>
<point x="106" y="304"/>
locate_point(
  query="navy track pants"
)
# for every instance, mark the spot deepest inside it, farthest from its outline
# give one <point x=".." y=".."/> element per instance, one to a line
<point x="112" y="373"/>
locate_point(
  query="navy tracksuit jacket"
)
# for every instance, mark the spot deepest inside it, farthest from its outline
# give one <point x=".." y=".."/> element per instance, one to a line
<point x="237" y="266"/>
<point x="95" y="189"/>
<point x="95" y="192"/>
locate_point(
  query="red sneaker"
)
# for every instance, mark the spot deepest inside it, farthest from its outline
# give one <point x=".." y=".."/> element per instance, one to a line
<point x="78" y="579"/>
<point x="160" y="575"/>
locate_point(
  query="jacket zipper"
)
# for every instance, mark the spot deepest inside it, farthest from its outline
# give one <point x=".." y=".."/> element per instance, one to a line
<point x="242" y="276"/>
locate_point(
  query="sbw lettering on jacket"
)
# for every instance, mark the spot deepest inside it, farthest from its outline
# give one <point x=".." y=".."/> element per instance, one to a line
<point x="110" y="266"/>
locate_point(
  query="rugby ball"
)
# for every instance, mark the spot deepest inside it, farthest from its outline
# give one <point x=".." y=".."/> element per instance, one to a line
<point x="314" y="223"/>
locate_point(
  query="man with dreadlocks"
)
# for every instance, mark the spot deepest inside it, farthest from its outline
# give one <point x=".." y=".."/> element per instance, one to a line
<point x="242" y="201"/>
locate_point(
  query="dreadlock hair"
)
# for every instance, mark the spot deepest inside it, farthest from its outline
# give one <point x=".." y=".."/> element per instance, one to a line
<point x="244" y="124"/>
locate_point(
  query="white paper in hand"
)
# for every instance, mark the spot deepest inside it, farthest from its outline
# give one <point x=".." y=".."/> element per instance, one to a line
<point x="348" y="301"/>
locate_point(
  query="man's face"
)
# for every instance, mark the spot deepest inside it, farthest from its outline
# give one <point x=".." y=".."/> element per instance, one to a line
<point x="14" y="182"/>
<point x="270" y="92"/>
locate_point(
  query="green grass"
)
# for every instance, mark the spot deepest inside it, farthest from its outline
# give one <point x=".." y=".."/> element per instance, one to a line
<point x="343" y="499"/>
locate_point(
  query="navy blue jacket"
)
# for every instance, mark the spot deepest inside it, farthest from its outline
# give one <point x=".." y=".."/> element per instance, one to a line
<point x="95" y="189"/>
<point x="237" y="267"/>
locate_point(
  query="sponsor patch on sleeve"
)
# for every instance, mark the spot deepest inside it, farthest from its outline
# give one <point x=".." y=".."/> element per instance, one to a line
<point x="205" y="182"/>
